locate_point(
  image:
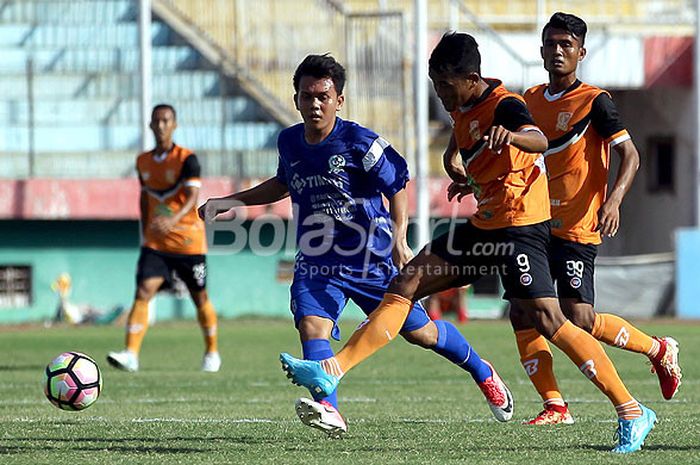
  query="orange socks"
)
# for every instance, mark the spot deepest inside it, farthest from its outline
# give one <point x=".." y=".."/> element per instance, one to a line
<point x="617" y="332"/>
<point x="136" y="325"/>
<point x="591" y="359"/>
<point x="536" y="358"/>
<point x="206" y="315"/>
<point x="378" y="330"/>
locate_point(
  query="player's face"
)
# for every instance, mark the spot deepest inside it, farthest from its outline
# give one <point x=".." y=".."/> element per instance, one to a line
<point x="163" y="124"/>
<point x="453" y="91"/>
<point x="318" y="101"/>
<point x="561" y="52"/>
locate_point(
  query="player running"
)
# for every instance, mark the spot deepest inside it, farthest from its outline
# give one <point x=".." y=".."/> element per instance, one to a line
<point x="581" y="124"/>
<point x="173" y="239"/>
<point x="500" y="148"/>
<point x="336" y="173"/>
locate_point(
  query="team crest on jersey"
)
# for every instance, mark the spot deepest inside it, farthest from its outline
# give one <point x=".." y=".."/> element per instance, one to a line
<point x="474" y="130"/>
<point x="170" y="176"/>
<point x="146" y="175"/>
<point x="563" y="119"/>
<point x="575" y="282"/>
<point x="526" y="279"/>
<point x="336" y="163"/>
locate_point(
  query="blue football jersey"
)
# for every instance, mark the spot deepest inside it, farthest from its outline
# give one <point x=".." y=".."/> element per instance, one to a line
<point x="336" y="189"/>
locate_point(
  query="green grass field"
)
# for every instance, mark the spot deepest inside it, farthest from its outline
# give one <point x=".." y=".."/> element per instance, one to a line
<point x="405" y="405"/>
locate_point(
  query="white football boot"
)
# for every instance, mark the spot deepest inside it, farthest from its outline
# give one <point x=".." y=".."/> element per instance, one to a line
<point x="322" y="416"/>
<point x="124" y="360"/>
<point x="211" y="362"/>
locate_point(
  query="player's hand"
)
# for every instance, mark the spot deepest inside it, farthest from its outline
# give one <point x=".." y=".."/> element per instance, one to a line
<point x="458" y="190"/>
<point x="208" y="213"/>
<point x="456" y="172"/>
<point x="609" y="218"/>
<point x="202" y="211"/>
<point x="162" y="225"/>
<point x="401" y="254"/>
<point x="497" y="138"/>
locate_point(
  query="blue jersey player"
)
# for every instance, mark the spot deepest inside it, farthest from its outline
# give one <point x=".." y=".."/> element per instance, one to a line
<point x="349" y="246"/>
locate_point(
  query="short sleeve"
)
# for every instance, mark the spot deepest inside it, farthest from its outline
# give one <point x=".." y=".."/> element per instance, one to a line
<point x="281" y="172"/>
<point x="512" y="114"/>
<point x="191" y="171"/>
<point x="606" y="119"/>
<point x="388" y="168"/>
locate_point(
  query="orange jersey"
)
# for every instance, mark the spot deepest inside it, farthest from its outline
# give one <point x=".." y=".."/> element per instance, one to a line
<point x="581" y="124"/>
<point x="510" y="186"/>
<point x="164" y="179"/>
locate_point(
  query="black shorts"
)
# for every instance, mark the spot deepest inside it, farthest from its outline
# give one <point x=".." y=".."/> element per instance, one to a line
<point x="517" y="254"/>
<point x="191" y="269"/>
<point x="572" y="265"/>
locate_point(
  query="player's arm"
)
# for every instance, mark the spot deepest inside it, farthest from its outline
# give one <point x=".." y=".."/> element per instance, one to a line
<point x="269" y="191"/>
<point x="388" y="172"/>
<point x="452" y="161"/>
<point x="513" y="125"/>
<point x="190" y="179"/>
<point x="606" y="121"/>
<point x="398" y="209"/>
<point x="143" y="210"/>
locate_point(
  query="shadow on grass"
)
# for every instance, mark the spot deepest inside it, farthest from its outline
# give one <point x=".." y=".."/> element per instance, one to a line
<point x="654" y="447"/>
<point x="22" y="367"/>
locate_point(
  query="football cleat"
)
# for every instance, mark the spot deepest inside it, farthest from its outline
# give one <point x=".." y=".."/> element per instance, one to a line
<point x="322" y="416"/>
<point x="497" y="395"/>
<point x="631" y="434"/>
<point x="666" y="367"/>
<point x="552" y="415"/>
<point x="124" y="360"/>
<point x="211" y="363"/>
<point x="310" y="374"/>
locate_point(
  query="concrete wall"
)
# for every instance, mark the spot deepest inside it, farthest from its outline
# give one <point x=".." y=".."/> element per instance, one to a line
<point x="649" y="219"/>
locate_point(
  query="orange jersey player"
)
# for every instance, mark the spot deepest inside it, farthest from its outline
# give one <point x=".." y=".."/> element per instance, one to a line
<point x="500" y="147"/>
<point x="582" y="125"/>
<point x="173" y="241"/>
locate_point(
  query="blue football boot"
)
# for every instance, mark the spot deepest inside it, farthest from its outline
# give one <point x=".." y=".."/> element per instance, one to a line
<point x="632" y="433"/>
<point x="310" y="374"/>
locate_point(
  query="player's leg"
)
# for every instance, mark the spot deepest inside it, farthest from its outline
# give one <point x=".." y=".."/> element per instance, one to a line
<point x="207" y="319"/>
<point x="573" y="265"/>
<point x="317" y="303"/>
<point x="443" y="338"/>
<point x="192" y="270"/>
<point x="152" y="272"/>
<point x="536" y="358"/>
<point x="528" y="284"/>
<point x="444" y="263"/>
<point x="425" y="274"/>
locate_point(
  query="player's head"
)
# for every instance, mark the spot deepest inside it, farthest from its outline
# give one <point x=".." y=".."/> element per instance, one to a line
<point x="163" y="122"/>
<point x="318" y="91"/>
<point x="562" y="43"/>
<point x="455" y="69"/>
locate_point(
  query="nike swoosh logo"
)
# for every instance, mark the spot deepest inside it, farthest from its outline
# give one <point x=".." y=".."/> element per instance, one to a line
<point x="508" y="408"/>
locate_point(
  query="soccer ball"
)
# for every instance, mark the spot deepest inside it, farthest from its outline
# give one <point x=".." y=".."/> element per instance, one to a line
<point x="72" y="381"/>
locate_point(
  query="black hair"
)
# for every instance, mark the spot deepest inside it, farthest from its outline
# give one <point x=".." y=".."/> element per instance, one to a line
<point x="321" y="66"/>
<point x="456" y="53"/>
<point x="569" y="23"/>
<point x="164" y="106"/>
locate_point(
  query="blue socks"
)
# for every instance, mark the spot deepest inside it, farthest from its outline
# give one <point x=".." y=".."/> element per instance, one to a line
<point x="320" y="349"/>
<point x="453" y="346"/>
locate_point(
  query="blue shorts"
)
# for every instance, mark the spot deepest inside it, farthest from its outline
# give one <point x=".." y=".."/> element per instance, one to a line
<point x="326" y="297"/>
